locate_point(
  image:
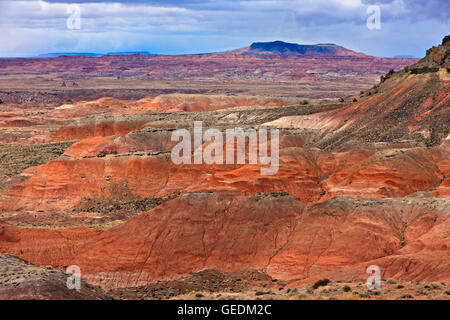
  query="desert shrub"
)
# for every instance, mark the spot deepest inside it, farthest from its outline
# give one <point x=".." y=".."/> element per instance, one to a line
<point x="435" y="286"/>
<point x="387" y="75"/>
<point x="391" y="281"/>
<point x="347" y="289"/>
<point x="321" y="283"/>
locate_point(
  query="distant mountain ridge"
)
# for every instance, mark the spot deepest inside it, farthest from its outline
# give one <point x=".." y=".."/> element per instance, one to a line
<point x="125" y="53"/>
<point x="71" y="54"/>
<point x="91" y="54"/>
<point x="272" y="47"/>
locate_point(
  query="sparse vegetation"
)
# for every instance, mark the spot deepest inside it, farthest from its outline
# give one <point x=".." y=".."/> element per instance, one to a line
<point x="16" y="158"/>
<point x="391" y="281"/>
<point x="387" y="75"/>
<point x="321" y="283"/>
<point x="113" y="205"/>
<point x="246" y="290"/>
<point x="435" y="286"/>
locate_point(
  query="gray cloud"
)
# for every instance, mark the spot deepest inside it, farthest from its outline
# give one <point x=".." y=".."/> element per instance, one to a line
<point x="420" y="9"/>
<point x="416" y="9"/>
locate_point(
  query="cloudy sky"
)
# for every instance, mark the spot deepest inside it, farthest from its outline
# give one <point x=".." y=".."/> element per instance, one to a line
<point x="32" y="27"/>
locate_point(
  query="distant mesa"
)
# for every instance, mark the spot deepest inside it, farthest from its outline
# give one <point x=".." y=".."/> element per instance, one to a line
<point x="403" y="56"/>
<point x="90" y="54"/>
<point x="281" y="47"/>
<point x="145" y="53"/>
<point x="71" y="54"/>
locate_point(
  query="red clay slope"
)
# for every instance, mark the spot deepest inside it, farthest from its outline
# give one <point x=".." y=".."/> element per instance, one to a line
<point x="270" y="232"/>
<point x="139" y="165"/>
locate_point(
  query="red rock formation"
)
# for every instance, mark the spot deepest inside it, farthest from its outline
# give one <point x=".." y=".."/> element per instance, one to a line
<point x="120" y="125"/>
<point x="270" y="232"/>
<point x="139" y="164"/>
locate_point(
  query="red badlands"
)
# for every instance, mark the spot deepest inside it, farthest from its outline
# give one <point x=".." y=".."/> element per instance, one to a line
<point x="362" y="181"/>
